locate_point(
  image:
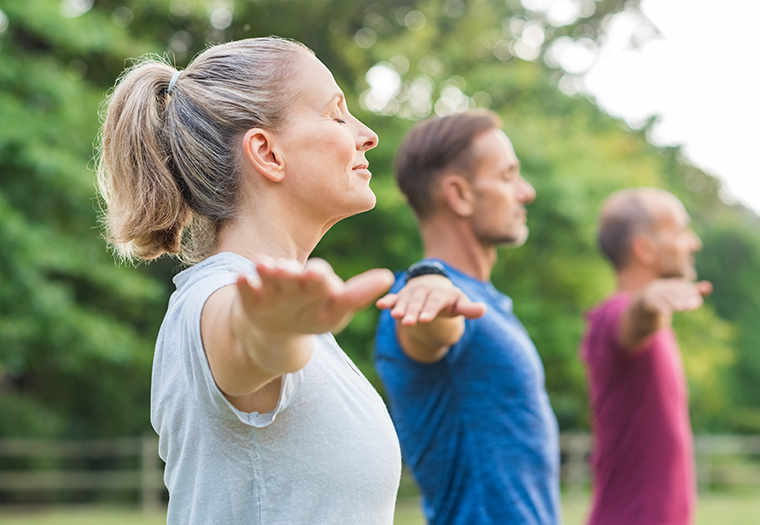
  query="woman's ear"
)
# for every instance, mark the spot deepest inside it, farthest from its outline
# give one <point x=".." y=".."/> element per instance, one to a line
<point x="261" y="151"/>
<point x="457" y="194"/>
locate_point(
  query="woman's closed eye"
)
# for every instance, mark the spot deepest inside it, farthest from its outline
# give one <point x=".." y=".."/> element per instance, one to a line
<point x="338" y="116"/>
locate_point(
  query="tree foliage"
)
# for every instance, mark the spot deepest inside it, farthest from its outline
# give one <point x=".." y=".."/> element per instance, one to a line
<point x="77" y="330"/>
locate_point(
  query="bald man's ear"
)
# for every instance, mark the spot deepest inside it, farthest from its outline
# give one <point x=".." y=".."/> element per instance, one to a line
<point x="457" y="194"/>
<point x="260" y="150"/>
<point x="644" y="249"/>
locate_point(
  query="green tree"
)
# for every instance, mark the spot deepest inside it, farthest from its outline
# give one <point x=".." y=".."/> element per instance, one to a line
<point x="73" y="326"/>
<point x="77" y="331"/>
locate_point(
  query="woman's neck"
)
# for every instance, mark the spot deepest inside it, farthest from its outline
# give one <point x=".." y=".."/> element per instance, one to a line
<point x="271" y="234"/>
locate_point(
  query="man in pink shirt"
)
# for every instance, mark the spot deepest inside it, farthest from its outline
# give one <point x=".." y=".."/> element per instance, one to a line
<point x="643" y="459"/>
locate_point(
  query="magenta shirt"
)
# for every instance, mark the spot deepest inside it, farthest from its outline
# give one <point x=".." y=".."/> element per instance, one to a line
<point x="643" y="458"/>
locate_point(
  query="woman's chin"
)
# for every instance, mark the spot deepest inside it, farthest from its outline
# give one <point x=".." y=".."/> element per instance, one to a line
<point x="365" y="202"/>
<point x="359" y="203"/>
<point x="371" y="201"/>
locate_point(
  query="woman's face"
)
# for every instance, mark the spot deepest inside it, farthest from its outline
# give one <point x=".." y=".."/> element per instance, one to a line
<point x="324" y="148"/>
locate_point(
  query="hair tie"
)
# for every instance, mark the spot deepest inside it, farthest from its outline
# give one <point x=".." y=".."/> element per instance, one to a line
<point x="173" y="81"/>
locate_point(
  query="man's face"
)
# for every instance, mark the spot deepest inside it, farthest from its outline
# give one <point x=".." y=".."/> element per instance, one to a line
<point x="501" y="193"/>
<point x="676" y="242"/>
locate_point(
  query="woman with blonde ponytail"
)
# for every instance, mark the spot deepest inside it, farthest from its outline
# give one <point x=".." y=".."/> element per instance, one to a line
<point x="238" y="165"/>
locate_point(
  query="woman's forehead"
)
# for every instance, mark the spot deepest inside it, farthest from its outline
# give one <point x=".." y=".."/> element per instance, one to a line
<point x="314" y="83"/>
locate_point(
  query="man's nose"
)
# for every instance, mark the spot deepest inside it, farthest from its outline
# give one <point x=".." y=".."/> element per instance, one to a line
<point x="696" y="242"/>
<point x="528" y="194"/>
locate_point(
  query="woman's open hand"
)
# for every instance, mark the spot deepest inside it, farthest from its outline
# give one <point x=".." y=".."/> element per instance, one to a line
<point x="262" y="327"/>
<point x="289" y="298"/>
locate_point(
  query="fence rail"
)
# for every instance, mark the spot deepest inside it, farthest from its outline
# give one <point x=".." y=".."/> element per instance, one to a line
<point x="42" y="466"/>
<point x="29" y="466"/>
<point x="721" y="460"/>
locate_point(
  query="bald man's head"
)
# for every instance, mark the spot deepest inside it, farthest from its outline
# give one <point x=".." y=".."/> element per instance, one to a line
<point x="626" y="214"/>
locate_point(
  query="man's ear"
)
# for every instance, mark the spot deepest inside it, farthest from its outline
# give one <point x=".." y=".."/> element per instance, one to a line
<point x="644" y="249"/>
<point x="456" y="192"/>
<point x="261" y="151"/>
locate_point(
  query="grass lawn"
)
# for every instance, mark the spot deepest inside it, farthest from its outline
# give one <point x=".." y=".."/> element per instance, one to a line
<point x="715" y="509"/>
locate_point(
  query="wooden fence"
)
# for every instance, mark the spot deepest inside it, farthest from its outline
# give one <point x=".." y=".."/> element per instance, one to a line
<point x="31" y="467"/>
<point x="131" y="466"/>
<point x="725" y="461"/>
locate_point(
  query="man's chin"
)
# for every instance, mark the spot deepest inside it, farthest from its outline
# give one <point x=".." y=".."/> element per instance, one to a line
<point x="691" y="275"/>
<point x="515" y="240"/>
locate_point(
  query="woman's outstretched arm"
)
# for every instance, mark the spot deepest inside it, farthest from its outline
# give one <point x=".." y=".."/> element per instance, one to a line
<point x="262" y="326"/>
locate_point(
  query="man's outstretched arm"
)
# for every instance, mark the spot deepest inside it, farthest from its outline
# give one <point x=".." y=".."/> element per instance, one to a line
<point x="653" y="306"/>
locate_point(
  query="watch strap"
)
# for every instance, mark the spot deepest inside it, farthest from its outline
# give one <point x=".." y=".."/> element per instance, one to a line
<point x="426" y="268"/>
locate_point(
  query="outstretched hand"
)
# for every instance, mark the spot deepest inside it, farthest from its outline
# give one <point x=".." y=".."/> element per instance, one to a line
<point x="427" y="298"/>
<point x="653" y="306"/>
<point x="289" y="298"/>
<point x="667" y="296"/>
<point x="262" y="327"/>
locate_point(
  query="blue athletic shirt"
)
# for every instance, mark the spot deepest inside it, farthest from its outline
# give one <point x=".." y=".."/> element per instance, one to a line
<point x="476" y="427"/>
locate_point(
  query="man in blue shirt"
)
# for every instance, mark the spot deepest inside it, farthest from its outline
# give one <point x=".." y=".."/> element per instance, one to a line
<point x="464" y="382"/>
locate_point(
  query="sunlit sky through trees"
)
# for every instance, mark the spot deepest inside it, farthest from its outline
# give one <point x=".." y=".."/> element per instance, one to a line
<point x="701" y="76"/>
<point x="692" y="64"/>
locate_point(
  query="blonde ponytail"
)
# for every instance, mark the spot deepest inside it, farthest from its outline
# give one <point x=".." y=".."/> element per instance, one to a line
<point x="168" y="166"/>
<point x="146" y="210"/>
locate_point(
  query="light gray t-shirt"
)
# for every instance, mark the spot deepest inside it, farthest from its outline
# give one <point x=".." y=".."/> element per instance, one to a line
<point x="327" y="454"/>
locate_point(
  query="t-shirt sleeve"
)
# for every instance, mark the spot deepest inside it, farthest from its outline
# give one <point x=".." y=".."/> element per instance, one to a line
<point x="197" y="370"/>
<point x="606" y="331"/>
<point x="613" y="314"/>
<point x="456" y="350"/>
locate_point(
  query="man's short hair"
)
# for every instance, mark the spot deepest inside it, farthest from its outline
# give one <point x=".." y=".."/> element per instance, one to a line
<point x="433" y="146"/>
<point x="625" y="215"/>
<point x="615" y="239"/>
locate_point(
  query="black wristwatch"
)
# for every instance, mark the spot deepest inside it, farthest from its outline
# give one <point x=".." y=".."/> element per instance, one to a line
<point x="425" y="268"/>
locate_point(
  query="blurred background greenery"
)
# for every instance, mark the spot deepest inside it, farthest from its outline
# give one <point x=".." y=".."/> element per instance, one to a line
<point x="77" y="330"/>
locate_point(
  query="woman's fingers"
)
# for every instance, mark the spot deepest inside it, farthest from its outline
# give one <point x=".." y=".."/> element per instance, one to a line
<point x="359" y="291"/>
<point x="355" y="294"/>
<point x="284" y="278"/>
<point x="319" y="278"/>
<point x="280" y="276"/>
<point x="311" y="297"/>
<point x="249" y="290"/>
